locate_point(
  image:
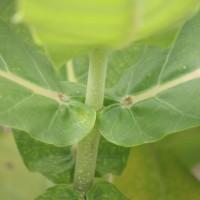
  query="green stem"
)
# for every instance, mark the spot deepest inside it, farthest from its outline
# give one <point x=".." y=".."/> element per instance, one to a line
<point x="88" y="147"/>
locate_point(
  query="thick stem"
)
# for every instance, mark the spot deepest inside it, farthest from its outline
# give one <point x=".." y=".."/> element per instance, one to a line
<point x="88" y="147"/>
<point x="96" y="78"/>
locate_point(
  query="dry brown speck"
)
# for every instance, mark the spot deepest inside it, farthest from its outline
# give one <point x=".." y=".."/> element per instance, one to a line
<point x="127" y="101"/>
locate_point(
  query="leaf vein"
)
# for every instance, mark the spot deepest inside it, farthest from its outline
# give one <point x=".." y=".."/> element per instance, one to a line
<point x="54" y="117"/>
<point x="137" y="125"/>
<point x="18" y="104"/>
<point x="167" y="58"/>
<point x="175" y="108"/>
<point x="36" y="66"/>
<point x="4" y="63"/>
<point x="111" y="129"/>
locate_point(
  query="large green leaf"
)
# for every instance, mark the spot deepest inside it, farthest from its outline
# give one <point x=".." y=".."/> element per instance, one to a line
<point x="32" y="100"/>
<point x="157" y="96"/>
<point x="155" y="172"/>
<point x="7" y="8"/>
<point x="105" y="191"/>
<point x="71" y="27"/>
<point x="121" y="60"/>
<point x="118" y="61"/>
<point x="155" y="15"/>
<point x="60" y="192"/>
<point x="74" y="90"/>
<point x="163" y="39"/>
<point x="57" y="163"/>
<point x="111" y="159"/>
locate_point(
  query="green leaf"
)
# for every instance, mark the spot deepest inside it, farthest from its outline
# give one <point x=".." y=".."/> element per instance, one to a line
<point x="32" y="100"/>
<point x="121" y="60"/>
<point x="59" y="54"/>
<point x="68" y="28"/>
<point x="154" y="172"/>
<point x="111" y="159"/>
<point x="163" y="39"/>
<point x="7" y="8"/>
<point x="71" y="30"/>
<point x="16" y="183"/>
<point x="7" y="12"/>
<point x="118" y="62"/>
<point x="105" y="191"/>
<point x="55" y="163"/>
<point x="158" y="95"/>
<point x="60" y="192"/>
<point x="74" y="90"/>
<point x="156" y="15"/>
<point x="78" y="68"/>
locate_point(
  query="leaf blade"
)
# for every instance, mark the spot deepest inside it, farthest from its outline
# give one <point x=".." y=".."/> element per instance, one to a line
<point x="105" y="191"/>
<point x="60" y="192"/>
<point x="151" y="98"/>
<point x="112" y="24"/>
<point x="30" y="91"/>
<point x="57" y="163"/>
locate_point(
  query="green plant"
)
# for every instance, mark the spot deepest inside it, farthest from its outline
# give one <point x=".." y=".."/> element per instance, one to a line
<point x="152" y="85"/>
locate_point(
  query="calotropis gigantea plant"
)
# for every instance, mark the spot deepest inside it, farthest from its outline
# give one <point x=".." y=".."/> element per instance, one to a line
<point x="71" y="132"/>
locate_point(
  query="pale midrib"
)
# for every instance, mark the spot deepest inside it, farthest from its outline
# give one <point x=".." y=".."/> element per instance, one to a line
<point x="160" y="88"/>
<point x="26" y="84"/>
<point x="138" y="98"/>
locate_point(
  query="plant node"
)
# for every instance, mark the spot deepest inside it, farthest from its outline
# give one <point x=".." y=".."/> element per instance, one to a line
<point x="127" y="101"/>
<point x="61" y="98"/>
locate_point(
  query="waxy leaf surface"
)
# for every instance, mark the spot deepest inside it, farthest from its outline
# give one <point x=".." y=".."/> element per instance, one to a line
<point x="100" y="191"/>
<point x="32" y="100"/>
<point x="105" y="191"/>
<point x="158" y="95"/>
<point x="111" y="158"/>
<point x="57" y="163"/>
<point x="7" y="8"/>
<point x="60" y="192"/>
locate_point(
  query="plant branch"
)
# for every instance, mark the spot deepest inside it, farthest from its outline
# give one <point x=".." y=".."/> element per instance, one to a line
<point x="88" y="147"/>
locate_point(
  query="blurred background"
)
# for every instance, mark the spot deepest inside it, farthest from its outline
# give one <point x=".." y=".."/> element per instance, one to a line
<point x="16" y="182"/>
